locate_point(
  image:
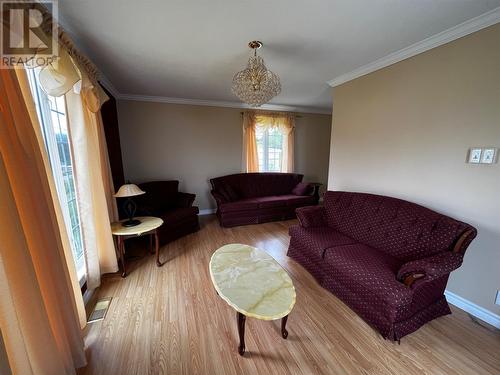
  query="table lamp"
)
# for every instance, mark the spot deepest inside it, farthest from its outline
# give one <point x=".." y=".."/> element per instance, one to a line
<point x="127" y="191"/>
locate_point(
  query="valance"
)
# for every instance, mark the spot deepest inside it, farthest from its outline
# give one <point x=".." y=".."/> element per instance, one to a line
<point x="71" y="70"/>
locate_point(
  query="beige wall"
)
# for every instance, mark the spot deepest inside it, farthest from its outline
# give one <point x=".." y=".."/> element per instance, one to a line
<point x="194" y="143"/>
<point x="405" y="130"/>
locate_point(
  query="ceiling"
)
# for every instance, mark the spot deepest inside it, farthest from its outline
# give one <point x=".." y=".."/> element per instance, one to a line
<point x="191" y="49"/>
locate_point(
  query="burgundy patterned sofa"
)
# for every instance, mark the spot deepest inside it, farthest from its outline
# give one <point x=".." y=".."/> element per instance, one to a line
<point x="163" y="199"/>
<point x="252" y="198"/>
<point x="388" y="259"/>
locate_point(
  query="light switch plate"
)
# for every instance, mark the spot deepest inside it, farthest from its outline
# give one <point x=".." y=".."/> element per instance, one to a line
<point x="475" y="155"/>
<point x="489" y="155"/>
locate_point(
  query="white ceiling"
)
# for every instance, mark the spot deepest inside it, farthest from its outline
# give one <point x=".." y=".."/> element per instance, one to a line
<point x="192" y="48"/>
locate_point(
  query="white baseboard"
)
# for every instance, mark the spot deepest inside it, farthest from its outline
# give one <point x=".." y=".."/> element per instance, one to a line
<point x="473" y="309"/>
<point x="207" y="211"/>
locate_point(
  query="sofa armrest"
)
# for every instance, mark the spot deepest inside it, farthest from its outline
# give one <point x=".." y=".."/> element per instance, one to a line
<point x="422" y="271"/>
<point x="184" y="200"/>
<point x="311" y="216"/>
<point x="218" y="197"/>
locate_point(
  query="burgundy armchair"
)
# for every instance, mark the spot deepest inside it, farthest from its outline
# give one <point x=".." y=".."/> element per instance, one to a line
<point x="388" y="259"/>
<point x="162" y="199"/>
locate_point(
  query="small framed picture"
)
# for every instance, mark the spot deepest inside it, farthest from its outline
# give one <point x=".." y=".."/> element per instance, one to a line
<point x="475" y="155"/>
<point x="489" y="155"/>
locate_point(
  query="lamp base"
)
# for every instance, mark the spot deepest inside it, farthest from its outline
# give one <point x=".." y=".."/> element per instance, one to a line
<point x="131" y="223"/>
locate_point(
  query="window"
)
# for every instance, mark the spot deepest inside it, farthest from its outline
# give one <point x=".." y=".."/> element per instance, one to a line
<point x="269" y="148"/>
<point x="51" y="113"/>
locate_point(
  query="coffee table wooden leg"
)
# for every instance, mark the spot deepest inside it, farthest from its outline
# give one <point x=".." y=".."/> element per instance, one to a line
<point x="157" y="244"/>
<point x="121" y="249"/>
<point x="241" y="331"/>
<point x="284" y="332"/>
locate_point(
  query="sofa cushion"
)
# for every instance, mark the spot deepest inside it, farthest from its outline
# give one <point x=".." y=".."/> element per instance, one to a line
<point x="267" y="202"/>
<point x="241" y="205"/>
<point x="228" y="193"/>
<point x="302" y="188"/>
<point x="161" y="195"/>
<point x="367" y="273"/>
<point x="318" y="239"/>
<point x="311" y="216"/>
<point x="222" y="193"/>
<point x="272" y="201"/>
<point x="299" y="201"/>
<point x="399" y="228"/>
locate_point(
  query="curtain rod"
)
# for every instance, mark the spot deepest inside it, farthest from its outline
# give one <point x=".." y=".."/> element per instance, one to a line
<point x="296" y="116"/>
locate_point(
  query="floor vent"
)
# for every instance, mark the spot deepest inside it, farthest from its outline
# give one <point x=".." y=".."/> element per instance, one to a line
<point x="100" y="310"/>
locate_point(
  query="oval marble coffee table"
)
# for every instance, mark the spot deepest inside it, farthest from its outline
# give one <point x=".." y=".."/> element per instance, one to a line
<point x="253" y="284"/>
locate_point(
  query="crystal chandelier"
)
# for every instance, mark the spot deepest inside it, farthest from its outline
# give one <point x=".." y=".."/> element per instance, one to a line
<point x="255" y="85"/>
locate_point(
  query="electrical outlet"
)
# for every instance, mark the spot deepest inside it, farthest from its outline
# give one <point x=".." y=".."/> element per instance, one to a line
<point x="497" y="300"/>
<point x="475" y="155"/>
<point x="489" y="156"/>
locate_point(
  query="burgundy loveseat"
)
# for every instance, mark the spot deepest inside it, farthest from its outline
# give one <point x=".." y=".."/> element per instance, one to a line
<point x="388" y="259"/>
<point x="163" y="199"/>
<point x="252" y="198"/>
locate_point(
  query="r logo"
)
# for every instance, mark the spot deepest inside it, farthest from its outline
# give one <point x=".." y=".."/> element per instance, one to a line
<point x="28" y="30"/>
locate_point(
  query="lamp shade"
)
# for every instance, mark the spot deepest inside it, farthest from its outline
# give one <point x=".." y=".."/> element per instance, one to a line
<point x="129" y="190"/>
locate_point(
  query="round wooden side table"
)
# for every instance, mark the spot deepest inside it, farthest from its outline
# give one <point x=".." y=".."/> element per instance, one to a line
<point x="149" y="226"/>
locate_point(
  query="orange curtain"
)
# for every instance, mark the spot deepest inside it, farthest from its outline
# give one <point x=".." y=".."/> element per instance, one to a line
<point x="250" y="161"/>
<point x="39" y="316"/>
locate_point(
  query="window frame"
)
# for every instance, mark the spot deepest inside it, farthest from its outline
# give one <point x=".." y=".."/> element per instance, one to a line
<point x="46" y="115"/>
<point x="264" y="155"/>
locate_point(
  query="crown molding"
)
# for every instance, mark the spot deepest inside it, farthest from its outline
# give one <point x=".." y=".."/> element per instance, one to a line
<point x="217" y="103"/>
<point x="465" y="28"/>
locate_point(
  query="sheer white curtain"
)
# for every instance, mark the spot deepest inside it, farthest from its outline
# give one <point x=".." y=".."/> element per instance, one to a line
<point x="96" y="204"/>
<point x="94" y="186"/>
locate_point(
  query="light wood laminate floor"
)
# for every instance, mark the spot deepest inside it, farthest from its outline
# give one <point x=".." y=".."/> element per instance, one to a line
<point x="169" y="320"/>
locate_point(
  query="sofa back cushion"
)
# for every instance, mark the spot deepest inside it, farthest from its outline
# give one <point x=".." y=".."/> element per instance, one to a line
<point x="160" y="195"/>
<point x="228" y="193"/>
<point x="404" y="230"/>
<point x="253" y="185"/>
